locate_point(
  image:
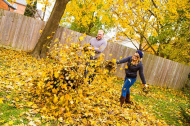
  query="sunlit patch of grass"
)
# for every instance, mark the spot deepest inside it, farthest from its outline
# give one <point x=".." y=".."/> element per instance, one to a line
<point x="9" y="113"/>
<point x="164" y="103"/>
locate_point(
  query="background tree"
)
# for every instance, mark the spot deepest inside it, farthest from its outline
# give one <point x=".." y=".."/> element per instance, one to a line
<point x="87" y="16"/>
<point x="159" y="27"/>
<point x="31" y="9"/>
<point x="46" y="4"/>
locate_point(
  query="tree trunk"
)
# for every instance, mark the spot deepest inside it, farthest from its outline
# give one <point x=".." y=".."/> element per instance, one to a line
<point x="41" y="48"/>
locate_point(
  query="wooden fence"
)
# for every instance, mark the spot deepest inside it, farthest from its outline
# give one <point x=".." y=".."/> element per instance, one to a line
<point x="21" y="32"/>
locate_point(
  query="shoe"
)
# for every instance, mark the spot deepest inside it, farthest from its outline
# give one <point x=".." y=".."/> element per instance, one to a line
<point x="122" y="100"/>
<point x="127" y="100"/>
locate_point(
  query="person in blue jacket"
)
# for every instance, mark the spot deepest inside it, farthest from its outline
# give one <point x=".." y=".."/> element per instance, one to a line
<point x="134" y="64"/>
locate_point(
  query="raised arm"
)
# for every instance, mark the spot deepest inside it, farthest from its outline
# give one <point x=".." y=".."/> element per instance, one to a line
<point x="124" y="60"/>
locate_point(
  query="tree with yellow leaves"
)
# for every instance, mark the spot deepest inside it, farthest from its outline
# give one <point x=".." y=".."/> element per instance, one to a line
<point x="87" y="16"/>
<point x="157" y="26"/>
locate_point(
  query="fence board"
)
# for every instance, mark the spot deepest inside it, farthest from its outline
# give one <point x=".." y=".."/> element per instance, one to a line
<point x="121" y="73"/>
<point x="57" y="36"/>
<point x="16" y="35"/>
<point x="9" y="23"/>
<point x="6" y="28"/>
<point x="173" y="75"/>
<point x="86" y="39"/>
<point x="39" y="25"/>
<point x="159" y="72"/>
<point x="169" y="74"/>
<point x="2" y="15"/>
<point x="2" y="22"/>
<point x="19" y="40"/>
<point x="27" y="33"/>
<point x="15" y="21"/>
<point x="121" y="53"/>
<point x="145" y="64"/>
<point x="30" y="34"/>
<point x="177" y="77"/>
<point x="149" y="67"/>
<point x="184" y="77"/>
<point x="62" y="37"/>
<point x="115" y="50"/>
<point x="109" y="51"/>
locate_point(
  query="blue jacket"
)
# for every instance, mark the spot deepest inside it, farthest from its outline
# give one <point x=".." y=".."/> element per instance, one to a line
<point x="131" y="71"/>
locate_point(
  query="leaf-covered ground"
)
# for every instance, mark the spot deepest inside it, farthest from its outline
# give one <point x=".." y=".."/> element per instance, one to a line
<point x="89" y="104"/>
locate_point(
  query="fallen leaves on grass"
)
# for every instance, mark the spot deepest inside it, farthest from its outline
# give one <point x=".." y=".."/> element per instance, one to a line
<point x="60" y="90"/>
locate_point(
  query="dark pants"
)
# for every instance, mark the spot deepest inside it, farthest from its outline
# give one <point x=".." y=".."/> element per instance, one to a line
<point x="91" y="76"/>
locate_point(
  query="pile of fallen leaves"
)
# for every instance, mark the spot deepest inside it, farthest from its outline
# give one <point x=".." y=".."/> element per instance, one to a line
<point x="59" y="89"/>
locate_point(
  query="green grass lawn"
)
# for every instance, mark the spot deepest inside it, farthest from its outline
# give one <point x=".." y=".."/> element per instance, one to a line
<point x="166" y="104"/>
<point x="172" y="106"/>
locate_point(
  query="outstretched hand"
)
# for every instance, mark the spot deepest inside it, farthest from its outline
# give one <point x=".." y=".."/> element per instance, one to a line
<point x="145" y="85"/>
<point x="90" y="48"/>
<point x="145" y="88"/>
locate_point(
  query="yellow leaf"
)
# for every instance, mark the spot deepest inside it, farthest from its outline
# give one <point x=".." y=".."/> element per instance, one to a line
<point x="67" y="97"/>
<point x="126" y="67"/>
<point x="54" y="91"/>
<point x="93" y="54"/>
<point x="55" y="45"/>
<point x="2" y="121"/>
<point x="84" y="34"/>
<point x="62" y="98"/>
<point x="121" y="68"/>
<point x="1" y="100"/>
<point x="40" y="31"/>
<point x="53" y="107"/>
<point x="48" y="37"/>
<point x="114" y="60"/>
<point x="110" y="54"/>
<point x="118" y="124"/>
<point x="56" y="40"/>
<point x="120" y="57"/>
<point x="55" y="99"/>
<point x="81" y="38"/>
<point x="17" y="99"/>
<point x="134" y="117"/>
<point x="64" y="86"/>
<point x="8" y="96"/>
<point x="56" y="74"/>
<point x="29" y="103"/>
<point x="11" y="122"/>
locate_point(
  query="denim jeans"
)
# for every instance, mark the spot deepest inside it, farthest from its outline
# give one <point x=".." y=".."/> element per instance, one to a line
<point x="128" y="83"/>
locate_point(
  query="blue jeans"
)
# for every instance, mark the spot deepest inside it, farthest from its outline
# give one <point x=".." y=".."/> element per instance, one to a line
<point x="128" y="83"/>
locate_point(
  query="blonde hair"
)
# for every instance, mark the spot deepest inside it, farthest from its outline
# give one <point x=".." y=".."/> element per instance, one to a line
<point x="136" y="62"/>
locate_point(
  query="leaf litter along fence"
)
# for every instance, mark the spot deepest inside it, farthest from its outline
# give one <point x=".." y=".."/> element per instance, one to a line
<point x="21" y="32"/>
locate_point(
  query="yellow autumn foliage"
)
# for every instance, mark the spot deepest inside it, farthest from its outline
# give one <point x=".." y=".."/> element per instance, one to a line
<point x="68" y="97"/>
